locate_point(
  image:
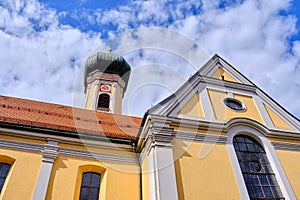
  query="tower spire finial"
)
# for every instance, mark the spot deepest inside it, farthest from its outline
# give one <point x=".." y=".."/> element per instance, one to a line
<point x="110" y="49"/>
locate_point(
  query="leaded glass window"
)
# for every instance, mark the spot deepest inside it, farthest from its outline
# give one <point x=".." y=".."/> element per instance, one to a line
<point x="4" y="169"/>
<point x="90" y="186"/>
<point x="257" y="172"/>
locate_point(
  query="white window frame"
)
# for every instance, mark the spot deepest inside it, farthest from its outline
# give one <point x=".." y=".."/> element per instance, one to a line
<point x="280" y="175"/>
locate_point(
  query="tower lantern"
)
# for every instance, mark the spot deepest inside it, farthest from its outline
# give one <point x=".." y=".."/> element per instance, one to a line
<point x="105" y="80"/>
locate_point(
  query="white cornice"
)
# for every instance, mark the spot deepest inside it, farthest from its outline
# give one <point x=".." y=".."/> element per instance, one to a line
<point x="228" y="84"/>
<point x="286" y="145"/>
<point x="22" y="146"/>
<point x="207" y="126"/>
<point x="198" y="137"/>
<point x="88" y="154"/>
<point x="166" y="106"/>
<point x="50" y="152"/>
<point x="66" y="140"/>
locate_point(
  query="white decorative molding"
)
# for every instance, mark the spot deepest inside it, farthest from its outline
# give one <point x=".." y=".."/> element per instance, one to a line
<point x="197" y="81"/>
<point x="96" y="143"/>
<point x="22" y="146"/>
<point x="50" y="151"/>
<point x="157" y="144"/>
<point x="216" y="61"/>
<point x="168" y="105"/>
<point x="161" y="169"/>
<point x="183" y="100"/>
<point x="286" y="145"/>
<point x="97" y="155"/>
<point x="162" y="173"/>
<point x="292" y="121"/>
<point x="263" y="112"/>
<point x="49" y="155"/>
<point x="201" y="137"/>
<point x="207" y="106"/>
<point x="96" y="76"/>
<point x="215" y="126"/>
<point x="228" y="85"/>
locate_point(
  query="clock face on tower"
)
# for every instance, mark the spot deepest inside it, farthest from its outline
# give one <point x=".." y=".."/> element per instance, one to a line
<point x="105" y="88"/>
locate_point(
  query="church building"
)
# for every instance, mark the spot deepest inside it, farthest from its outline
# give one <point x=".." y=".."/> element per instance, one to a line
<point x="218" y="136"/>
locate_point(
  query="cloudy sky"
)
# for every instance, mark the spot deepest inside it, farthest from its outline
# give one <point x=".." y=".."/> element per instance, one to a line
<point x="43" y="44"/>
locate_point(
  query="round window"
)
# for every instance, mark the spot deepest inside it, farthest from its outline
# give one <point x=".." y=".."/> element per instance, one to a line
<point x="234" y="104"/>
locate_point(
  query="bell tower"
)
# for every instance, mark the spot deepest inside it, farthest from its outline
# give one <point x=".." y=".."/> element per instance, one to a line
<point x="105" y="82"/>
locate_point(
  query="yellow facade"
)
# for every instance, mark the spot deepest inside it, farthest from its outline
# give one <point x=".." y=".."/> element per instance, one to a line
<point x="201" y="177"/>
<point x="115" y="184"/>
<point x="145" y="179"/>
<point x="118" y="180"/>
<point x="223" y="113"/>
<point x="277" y="120"/>
<point x="89" y="98"/>
<point x="193" y="107"/>
<point x="219" y="73"/>
<point x="23" y="175"/>
<point x="290" y="161"/>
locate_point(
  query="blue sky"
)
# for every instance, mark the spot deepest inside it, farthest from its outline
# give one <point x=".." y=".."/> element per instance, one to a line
<point x="44" y="42"/>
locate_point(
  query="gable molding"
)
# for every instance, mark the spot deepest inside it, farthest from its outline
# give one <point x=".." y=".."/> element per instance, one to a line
<point x="216" y="61"/>
<point x="291" y="120"/>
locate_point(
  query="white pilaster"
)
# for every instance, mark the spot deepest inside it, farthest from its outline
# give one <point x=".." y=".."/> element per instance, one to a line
<point x="162" y="177"/>
<point x="263" y="112"/>
<point x="49" y="152"/>
<point x="161" y="165"/>
<point x="206" y="105"/>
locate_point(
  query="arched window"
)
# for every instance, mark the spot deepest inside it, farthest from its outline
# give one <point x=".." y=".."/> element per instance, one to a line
<point x="90" y="185"/>
<point x="258" y="175"/>
<point x="103" y="102"/>
<point x="4" y="169"/>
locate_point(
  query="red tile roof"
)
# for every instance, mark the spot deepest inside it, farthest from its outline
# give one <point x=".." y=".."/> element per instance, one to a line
<point x="67" y="118"/>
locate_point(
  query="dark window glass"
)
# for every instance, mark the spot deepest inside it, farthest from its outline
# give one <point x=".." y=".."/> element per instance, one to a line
<point x="4" y="169"/>
<point x="90" y="186"/>
<point x="103" y="102"/>
<point x="258" y="175"/>
<point x="234" y="104"/>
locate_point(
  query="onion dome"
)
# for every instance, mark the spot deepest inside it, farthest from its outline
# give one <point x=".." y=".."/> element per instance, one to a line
<point x="107" y="63"/>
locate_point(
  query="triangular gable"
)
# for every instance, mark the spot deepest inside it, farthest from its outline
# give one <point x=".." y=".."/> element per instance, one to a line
<point x="194" y="100"/>
<point x="222" y="75"/>
<point x="213" y="66"/>
<point x="217" y="67"/>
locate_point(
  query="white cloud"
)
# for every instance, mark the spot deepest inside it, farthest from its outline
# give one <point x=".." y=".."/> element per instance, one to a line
<point x="41" y="55"/>
<point x="254" y="37"/>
